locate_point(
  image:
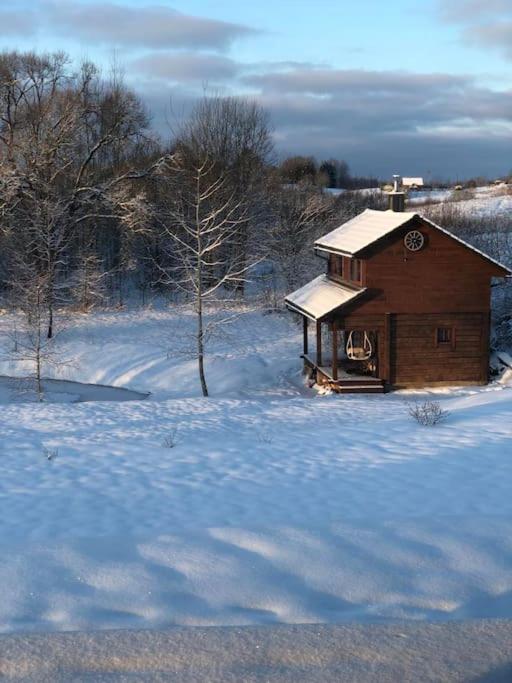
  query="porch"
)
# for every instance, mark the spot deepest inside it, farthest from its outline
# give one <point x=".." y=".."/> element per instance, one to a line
<point x="347" y="359"/>
<point x="346" y="382"/>
<point x="334" y="369"/>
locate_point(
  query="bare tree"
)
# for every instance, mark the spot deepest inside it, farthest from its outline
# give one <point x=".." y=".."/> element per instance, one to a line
<point x="65" y="139"/>
<point x="87" y="285"/>
<point x="198" y="218"/>
<point x="30" y="343"/>
<point x="299" y="169"/>
<point x="299" y="216"/>
<point x="234" y="134"/>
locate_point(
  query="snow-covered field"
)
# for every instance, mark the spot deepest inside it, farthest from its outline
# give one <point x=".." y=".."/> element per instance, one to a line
<point x="265" y="503"/>
<point x="411" y="652"/>
<point x="482" y="201"/>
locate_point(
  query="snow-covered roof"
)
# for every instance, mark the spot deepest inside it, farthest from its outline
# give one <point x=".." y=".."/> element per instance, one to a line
<point x="321" y="296"/>
<point x="363" y="230"/>
<point x="371" y="225"/>
<point x="409" y="182"/>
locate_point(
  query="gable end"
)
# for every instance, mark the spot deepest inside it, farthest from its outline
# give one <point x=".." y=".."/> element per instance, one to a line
<point x="418" y="221"/>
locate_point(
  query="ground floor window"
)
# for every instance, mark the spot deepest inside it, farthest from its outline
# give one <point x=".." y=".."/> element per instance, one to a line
<point x="445" y="336"/>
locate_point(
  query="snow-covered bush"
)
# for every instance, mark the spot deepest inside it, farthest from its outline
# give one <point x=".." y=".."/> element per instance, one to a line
<point x="265" y="437"/>
<point x="271" y="300"/>
<point x="50" y="453"/>
<point x="428" y="413"/>
<point x="170" y="440"/>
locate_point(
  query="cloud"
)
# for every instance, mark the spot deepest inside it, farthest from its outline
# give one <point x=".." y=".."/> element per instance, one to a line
<point x="194" y="66"/>
<point x="471" y="10"/>
<point x="374" y="100"/>
<point x="324" y="81"/>
<point x="496" y="35"/>
<point x="483" y="23"/>
<point x="379" y="121"/>
<point x="377" y="139"/>
<point x="16" y="22"/>
<point x="157" y="26"/>
<point x="186" y="67"/>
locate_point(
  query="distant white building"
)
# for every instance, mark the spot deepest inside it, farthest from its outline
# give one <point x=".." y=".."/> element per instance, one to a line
<point x="412" y="183"/>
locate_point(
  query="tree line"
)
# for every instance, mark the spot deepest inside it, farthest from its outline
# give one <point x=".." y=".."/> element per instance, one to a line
<point x="330" y="173"/>
<point x="93" y="206"/>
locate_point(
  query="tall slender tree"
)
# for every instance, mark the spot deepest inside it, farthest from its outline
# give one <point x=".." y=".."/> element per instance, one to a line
<point x="198" y="219"/>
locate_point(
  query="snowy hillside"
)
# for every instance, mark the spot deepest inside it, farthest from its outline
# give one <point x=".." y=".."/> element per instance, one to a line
<point x="265" y="503"/>
<point x="153" y="350"/>
<point x="482" y="201"/>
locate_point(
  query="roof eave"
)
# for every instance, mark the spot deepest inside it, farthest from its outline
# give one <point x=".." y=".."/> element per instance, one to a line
<point x="505" y="272"/>
<point x="347" y="304"/>
<point x="302" y="311"/>
<point x="298" y="309"/>
<point x="331" y="250"/>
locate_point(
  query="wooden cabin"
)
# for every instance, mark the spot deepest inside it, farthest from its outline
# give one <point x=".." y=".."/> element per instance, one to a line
<point x="404" y="303"/>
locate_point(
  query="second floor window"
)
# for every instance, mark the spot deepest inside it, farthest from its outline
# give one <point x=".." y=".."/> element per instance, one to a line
<point x="345" y="268"/>
<point x="336" y="266"/>
<point x="355" y="270"/>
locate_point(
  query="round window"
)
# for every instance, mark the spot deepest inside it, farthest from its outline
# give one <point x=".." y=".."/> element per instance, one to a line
<point x="414" y="240"/>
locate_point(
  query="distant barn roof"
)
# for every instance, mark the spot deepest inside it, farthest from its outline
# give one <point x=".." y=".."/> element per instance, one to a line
<point x="321" y="296"/>
<point x="409" y="182"/>
<point x="370" y="226"/>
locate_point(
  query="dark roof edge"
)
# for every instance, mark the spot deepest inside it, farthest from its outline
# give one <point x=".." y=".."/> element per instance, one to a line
<point x="480" y="253"/>
<point x="298" y="309"/>
<point x="330" y="250"/>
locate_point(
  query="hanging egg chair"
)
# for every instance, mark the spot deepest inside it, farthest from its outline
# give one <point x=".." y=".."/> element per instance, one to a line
<point x="362" y="349"/>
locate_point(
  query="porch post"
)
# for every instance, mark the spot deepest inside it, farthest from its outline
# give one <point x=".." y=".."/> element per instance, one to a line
<point x="334" y="350"/>
<point x="386" y="370"/>
<point x="305" y="330"/>
<point x="318" y="343"/>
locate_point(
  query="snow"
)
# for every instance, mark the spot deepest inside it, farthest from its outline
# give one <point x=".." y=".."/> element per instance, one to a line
<point x="21" y="390"/>
<point x="405" y="653"/>
<point x="275" y="504"/>
<point x="363" y="230"/>
<point x="153" y="351"/>
<point x="495" y="203"/>
<point x="485" y="200"/>
<point x="336" y="192"/>
<point x="321" y="296"/>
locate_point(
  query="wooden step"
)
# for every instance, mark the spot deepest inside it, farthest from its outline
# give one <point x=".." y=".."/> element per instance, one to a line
<point x="358" y="388"/>
<point x="360" y="382"/>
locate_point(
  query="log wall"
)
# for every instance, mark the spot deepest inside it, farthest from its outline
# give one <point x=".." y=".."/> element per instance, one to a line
<point x="411" y="294"/>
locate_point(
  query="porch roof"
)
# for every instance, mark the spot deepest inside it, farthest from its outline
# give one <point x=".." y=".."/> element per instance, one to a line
<point x="321" y="296"/>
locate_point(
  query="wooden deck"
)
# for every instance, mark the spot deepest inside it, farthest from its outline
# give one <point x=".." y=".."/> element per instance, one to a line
<point x="346" y="383"/>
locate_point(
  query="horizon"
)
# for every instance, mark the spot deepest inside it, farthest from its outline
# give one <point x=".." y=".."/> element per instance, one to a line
<point x="420" y="91"/>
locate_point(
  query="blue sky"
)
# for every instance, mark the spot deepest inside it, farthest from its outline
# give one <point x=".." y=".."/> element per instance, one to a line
<point x="410" y="87"/>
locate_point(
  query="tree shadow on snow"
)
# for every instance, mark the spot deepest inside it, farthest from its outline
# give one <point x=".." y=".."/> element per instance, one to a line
<point x="502" y="674"/>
